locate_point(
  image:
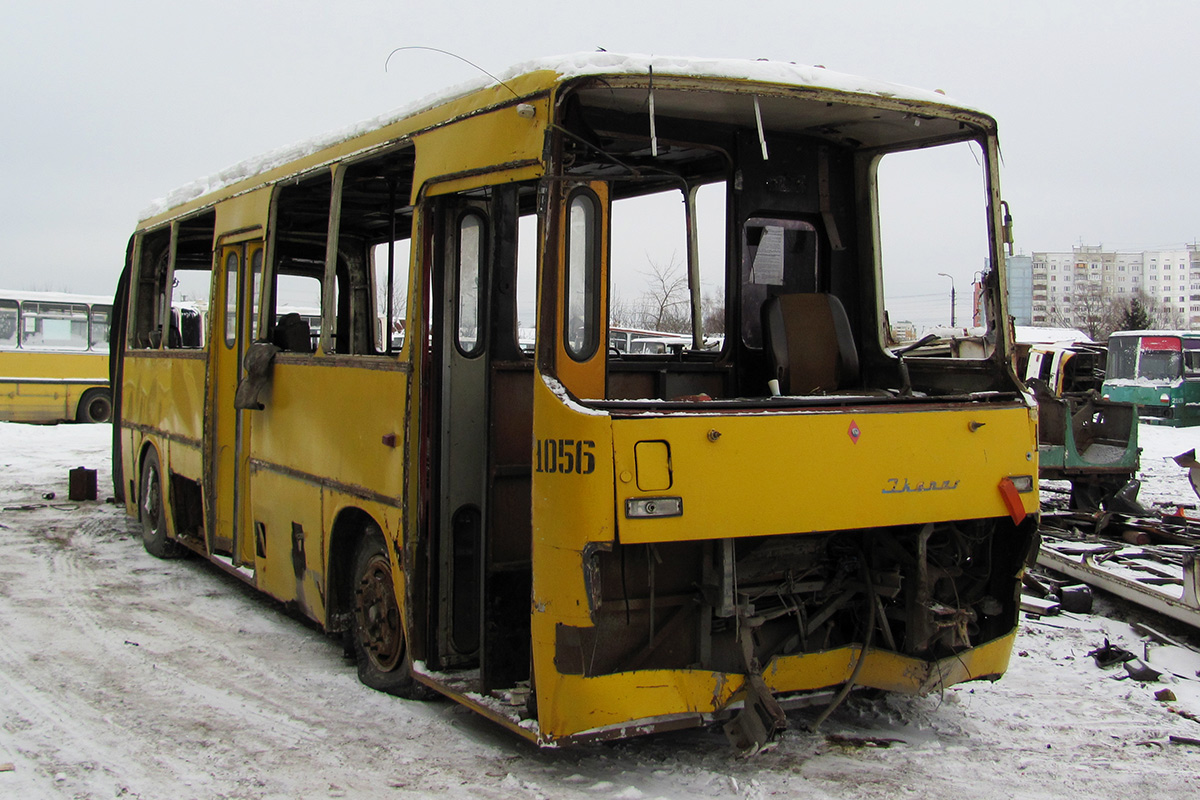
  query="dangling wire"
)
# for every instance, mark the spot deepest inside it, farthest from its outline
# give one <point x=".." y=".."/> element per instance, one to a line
<point x="452" y="55"/>
<point x="862" y="652"/>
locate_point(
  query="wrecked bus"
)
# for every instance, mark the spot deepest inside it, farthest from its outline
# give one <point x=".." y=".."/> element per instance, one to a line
<point x="1159" y="372"/>
<point x="578" y="542"/>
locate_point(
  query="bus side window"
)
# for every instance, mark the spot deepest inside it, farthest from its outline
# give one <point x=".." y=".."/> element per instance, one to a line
<point x="374" y="225"/>
<point x="391" y="327"/>
<point x="61" y="326"/>
<point x="189" y="307"/>
<point x="295" y="278"/>
<point x="150" y="289"/>
<point x="526" y="297"/>
<point x="163" y="287"/>
<point x="1191" y="363"/>
<point x="296" y="321"/>
<point x="101" y="317"/>
<point x="8" y="324"/>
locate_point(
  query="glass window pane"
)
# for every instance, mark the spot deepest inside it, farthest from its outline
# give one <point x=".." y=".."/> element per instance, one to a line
<point x="527" y="247"/>
<point x="581" y="319"/>
<point x="231" y="276"/>
<point x="58" y="326"/>
<point x="779" y="256"/>
<point x="470" y="250"/>
<point x="256" y="268"/>
<point x="713" y="245"/>
<point x="100" y="321"/>
<point x="8" y="323"/>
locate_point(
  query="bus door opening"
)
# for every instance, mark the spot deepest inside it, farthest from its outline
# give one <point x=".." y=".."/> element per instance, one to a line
<point x="483" y="427"/>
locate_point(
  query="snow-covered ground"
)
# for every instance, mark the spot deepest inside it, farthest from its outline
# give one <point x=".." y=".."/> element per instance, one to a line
<point x="122" y="676"/>
<point x="1165" y="483"/>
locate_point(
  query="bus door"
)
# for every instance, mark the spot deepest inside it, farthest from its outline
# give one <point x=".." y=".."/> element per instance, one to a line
<point x="227" y="429"/>
<point x="461" y="347"/>
<point x="484" y="423"/>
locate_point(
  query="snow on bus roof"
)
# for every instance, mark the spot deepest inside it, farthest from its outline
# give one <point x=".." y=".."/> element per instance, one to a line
<point x="1026" y="334"/>
<point x="1178" y="332"/>
<point x="24" y="296"/>
<point x="569" y="66"/>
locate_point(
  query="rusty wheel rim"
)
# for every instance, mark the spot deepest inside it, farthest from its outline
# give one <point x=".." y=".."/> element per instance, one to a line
<point x="378" y="615"/>
<point x="152" y="502"/>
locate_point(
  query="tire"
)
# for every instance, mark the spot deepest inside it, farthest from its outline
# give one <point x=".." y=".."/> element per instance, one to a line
<point x="152" y="511"/>
<point x="94" y="406"/>
<point x="377" y="635"/>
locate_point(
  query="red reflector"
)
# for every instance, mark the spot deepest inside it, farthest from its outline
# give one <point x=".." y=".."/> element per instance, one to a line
<point x="1012" y="500"/>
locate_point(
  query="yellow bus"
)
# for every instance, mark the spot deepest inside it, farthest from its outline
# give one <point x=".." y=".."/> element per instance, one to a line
<point x="54" y="357"/>
<point x="576" y="542"/>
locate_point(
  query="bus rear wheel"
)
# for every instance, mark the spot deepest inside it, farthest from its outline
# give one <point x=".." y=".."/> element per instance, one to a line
<point x="378" y="634"/>
<point x="152" y="511"/>
<point x="94" y="406"/>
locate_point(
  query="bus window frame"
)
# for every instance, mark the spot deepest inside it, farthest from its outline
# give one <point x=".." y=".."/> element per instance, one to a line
<point x="13" y="342"/>
<point x="40" y="311"/>
<point x="590" y="283"/>
<point x="481" y="288"/>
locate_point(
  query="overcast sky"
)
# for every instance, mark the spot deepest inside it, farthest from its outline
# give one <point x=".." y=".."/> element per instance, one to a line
<point x="108" y="106"/>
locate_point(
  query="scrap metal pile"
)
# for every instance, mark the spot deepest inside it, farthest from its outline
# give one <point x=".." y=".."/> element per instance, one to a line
<point x="1150" y="560"/>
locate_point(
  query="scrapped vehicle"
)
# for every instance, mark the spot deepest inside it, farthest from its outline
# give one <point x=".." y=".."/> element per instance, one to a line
<point x="54" y="357"/>
<point x="1083" y="438"/>
<point x="575" y="542"/>
<point x="1159" y="372"/>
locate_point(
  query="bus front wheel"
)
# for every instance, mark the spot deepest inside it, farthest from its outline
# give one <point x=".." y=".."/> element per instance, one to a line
<point x="94" y="406"/>
<point x="153" y="512"/>
<point x="378" y="633"/>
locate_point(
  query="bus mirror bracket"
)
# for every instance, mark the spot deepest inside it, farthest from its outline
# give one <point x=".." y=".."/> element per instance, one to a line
<point x="257" y="364"/>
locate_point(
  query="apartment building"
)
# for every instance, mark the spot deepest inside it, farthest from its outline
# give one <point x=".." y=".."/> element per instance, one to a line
<point x="1075" y="287"/>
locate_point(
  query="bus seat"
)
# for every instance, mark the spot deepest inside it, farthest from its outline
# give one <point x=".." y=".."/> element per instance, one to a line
<point x="292" y="333"/>
<point x="809" y="343"/>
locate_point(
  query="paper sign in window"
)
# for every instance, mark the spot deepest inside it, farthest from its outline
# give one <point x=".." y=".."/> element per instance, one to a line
<point x="768" y="259"/>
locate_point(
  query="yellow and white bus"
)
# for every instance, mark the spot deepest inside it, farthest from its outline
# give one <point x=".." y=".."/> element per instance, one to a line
<point x="54" y="357"/>
<point x="577" y="544"/>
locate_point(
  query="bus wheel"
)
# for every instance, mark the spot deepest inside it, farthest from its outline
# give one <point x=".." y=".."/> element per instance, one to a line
<point x="378" y="634"/>
<point x="153" y="512"/>
<point x="94" y="406"/>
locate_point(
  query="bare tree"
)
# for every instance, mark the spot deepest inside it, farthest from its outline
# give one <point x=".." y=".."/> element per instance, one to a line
<point x="666" y="303"/>
<point x="399" y="305"/>
<point x="1089" y="310"/>
<point x="712" y="312"/>
<point x="622" y="313"/>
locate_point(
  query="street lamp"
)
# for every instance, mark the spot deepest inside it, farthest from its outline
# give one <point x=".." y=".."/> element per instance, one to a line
<point x="953" y="323"/>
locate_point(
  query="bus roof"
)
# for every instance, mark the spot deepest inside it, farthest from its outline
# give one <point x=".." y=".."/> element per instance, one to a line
<point x="540" y="75"/>
<point x="1180" y="333"/>
<point x="55" y="297"/>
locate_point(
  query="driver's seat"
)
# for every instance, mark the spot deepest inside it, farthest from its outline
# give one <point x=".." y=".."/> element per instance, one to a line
<point x="809" y="343"/>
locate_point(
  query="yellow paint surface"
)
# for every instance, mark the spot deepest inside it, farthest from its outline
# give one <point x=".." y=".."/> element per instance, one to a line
<point x="797" y="472"/>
